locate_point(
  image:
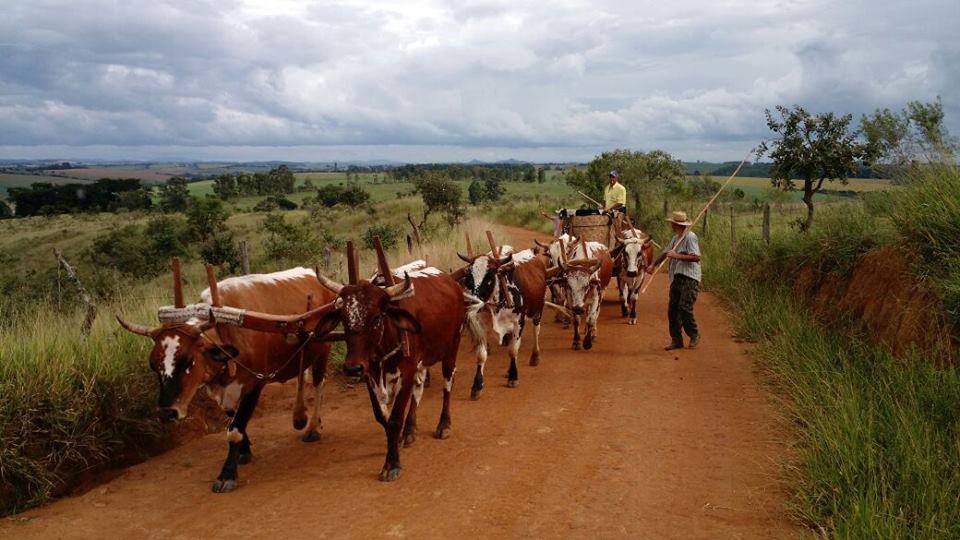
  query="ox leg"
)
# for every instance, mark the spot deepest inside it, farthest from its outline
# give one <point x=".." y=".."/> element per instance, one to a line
<point x="299" y="408"/>
<point x="477" y="388"/>
<point x="410" y="426"/>
<point x="378" y="414"/>
<point x="590" y="333"/>
<point x="535" y="355"/>
<point x="394" y="427"/>
<point x="625" y="294"/>
<point x="633" y="306"/>
<point x="576" y="332"/>
<point x="513" y="374"/>
<point x="443" y="427"/>
<point x="236" y="436"/>
<point x="319" y="374"/>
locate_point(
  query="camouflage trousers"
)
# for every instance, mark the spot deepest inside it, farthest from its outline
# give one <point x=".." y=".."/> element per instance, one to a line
<point x="683" y="294"/>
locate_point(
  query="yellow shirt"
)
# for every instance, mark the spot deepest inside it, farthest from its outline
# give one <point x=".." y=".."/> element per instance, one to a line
<point x="614" y="195"/>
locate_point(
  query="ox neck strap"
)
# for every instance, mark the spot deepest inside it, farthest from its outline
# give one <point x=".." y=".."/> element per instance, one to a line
<point x="265" y="376"/>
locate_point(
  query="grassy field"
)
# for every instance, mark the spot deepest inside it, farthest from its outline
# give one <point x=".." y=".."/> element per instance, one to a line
<point x="9" y="180"/>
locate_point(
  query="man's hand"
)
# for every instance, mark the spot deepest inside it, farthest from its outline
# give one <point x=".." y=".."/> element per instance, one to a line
<point x="672" y="255"/>
<point x="649" y="269"/>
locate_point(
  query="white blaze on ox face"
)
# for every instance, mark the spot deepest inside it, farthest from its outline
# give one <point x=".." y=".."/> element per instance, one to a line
<point x="170" y="344"/>
<point x="632" y="250"/>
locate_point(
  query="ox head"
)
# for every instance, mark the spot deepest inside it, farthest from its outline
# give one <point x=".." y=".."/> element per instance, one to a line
<point x="184" y="359"/>
<point x="557" y="249"/>
<point x="371" y="320"/>
<point x="480" y="275"/>
<point x="506" y="311"/>
<point x="577" y="278"/>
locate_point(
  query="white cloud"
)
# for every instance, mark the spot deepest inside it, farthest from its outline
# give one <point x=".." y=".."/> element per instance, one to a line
<point x="524" y="79"/>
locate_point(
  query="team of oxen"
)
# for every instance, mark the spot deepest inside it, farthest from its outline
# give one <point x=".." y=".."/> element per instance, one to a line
<point x="253" y="330"/>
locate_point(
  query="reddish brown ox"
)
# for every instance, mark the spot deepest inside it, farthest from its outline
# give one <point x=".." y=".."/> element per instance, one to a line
<point x="393" y="335"/>
<point x="584" y="279"/>
<point x="236" y="363"/>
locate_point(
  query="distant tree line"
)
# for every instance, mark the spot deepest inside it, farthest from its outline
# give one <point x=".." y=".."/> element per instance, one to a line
<point x="501" y="172"/>
<point x="276" y="181"/>
<point x="104" y="195"/>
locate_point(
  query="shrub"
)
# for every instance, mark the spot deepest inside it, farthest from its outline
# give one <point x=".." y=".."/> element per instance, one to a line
<point x="5" y="211"/>
<point x="293" y="242"/>
<point x="329" y="195"/>
<point x="141" y="251"/>
<point x="206" y="216"/>
<point x="389" y="235"/>
<point x="221" y="250"/>
<point x="354" y="195"/>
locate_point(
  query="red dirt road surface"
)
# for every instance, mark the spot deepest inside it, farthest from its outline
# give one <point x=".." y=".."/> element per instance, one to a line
<point x="625" y="440"/>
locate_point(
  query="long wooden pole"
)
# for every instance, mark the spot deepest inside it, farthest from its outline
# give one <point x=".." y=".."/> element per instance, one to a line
<point x="587" y="197"/>
<point x="703" y="211"/>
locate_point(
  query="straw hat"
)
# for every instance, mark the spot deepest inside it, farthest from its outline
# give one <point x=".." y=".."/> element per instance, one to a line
<point x="680" y="218"/>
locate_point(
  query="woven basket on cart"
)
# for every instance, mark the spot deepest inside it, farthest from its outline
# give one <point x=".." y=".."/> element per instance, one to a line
<point x="591" y="228"/>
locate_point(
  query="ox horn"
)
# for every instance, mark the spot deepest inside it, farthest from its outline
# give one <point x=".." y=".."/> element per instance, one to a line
<point x="328" y="283"/>
<point x="554" y="272"/>
<point x="541" y="244"/>
<point x="504" y="260"/>
<point x="138" y="329"/>
<point x="400" y="290"/>
<point x="464" y="258"/>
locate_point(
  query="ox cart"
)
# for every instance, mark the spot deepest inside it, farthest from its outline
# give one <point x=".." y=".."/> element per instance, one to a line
<point x="593" y="228"/>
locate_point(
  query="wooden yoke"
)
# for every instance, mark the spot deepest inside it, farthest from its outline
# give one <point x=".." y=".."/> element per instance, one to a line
<point x="177" y="282"/>
<point x="353" y="271"/>
<point x="214" y="290"/>
<point x="494" y="248"/>
<point x="382" y="265"/>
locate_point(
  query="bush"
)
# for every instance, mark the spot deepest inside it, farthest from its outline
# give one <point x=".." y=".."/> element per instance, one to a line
<point x="389" y="235"/>
<point x="141" y="251"/>
<point x="5" y="211"/>
<point x="293" y="242"/>
<point x="329" y="195"/>
<point x="354" y="195"/>
<point x="206" y="216"/>
<point x="221" y="250"/>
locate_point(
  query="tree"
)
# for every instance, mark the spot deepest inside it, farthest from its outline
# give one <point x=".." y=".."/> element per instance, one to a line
<point x="541" y="176"/>
<point x="895" y="141"/>
<point x="439" y="194"/>
<point x="225" y="186"/>
<point x="206" y="217"/>
<point x="488" y="190"/>
<point x="329" y="194"/>
<point x="644" y="174"/>
<point x="5" y="211"/>
<point x="353" y="196"/>
<point x="813" y="149"/>
<point x="174" y="195"/>
<point x="137" y="199"/>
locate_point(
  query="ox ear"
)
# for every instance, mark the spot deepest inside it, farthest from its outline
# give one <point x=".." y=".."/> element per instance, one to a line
<point x="327" y="323"/>
<point x="222" y="353"/>
<point x="403" y="319"/>
<point x="554" y="272"/>
<point x="617" y="250"/>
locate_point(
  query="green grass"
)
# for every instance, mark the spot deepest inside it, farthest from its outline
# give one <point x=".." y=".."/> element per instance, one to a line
<point x="9" y="180"/>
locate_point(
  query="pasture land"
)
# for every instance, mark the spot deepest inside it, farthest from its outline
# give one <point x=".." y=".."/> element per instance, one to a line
<point x="9" y="180"/>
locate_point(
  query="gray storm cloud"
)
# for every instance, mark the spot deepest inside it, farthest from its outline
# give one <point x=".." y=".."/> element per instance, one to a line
<point x="546" y="80"/>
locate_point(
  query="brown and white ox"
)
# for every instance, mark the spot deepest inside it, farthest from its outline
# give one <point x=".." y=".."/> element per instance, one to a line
<point x="555" y="251"/>
<point x="514" y="288"/>
<point x="393" y="334"/>
<point x="233" y="363"/>
<point x="633" y="254"/>
<point x="584" y="278"/>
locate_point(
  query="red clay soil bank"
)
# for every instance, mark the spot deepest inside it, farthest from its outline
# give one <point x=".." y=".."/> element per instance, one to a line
<point x="882" y="293"/>
<point x="623" y="441"/>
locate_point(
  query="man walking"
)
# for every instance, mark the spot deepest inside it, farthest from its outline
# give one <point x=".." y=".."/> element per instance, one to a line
<point x="685" y="274"/>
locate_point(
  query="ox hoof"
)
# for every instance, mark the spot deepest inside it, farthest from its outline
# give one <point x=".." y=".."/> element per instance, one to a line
<point x="576" y="346"/>
<point x="389" y="474"/>
<point x="623" y="311"/>
<point x="535" y="360"/>
<point x="513" y="383"/>
<point x="588" y="345"/>
<point x="409" y="439"/>
<point x="244" y="457"/>
<point x="476" y="393"/>
<point x="442" y="433"/>
<point x="299" y="423"/>
<point x="223" y="486"/>
<point x="633" y="321"/>
<point x="311" y="436"/>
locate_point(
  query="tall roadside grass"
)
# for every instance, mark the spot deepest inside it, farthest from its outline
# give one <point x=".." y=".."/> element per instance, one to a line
<point x="877" y="437"/>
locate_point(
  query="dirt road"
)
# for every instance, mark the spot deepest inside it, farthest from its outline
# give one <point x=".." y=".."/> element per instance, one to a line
<point x="624" y="440"/>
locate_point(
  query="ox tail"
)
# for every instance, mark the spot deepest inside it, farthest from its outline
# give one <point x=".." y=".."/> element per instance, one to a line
<point x="477" y="332"/>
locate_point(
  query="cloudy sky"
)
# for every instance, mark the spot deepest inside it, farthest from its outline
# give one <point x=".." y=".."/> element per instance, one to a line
<point x="436" y="80"/>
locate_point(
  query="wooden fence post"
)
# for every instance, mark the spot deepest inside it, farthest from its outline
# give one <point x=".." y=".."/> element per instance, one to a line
<point x="244" y="258"/>
<point x="706" y="214"/>
<point x="766" y="223"/>
<point x="666" y="208"/>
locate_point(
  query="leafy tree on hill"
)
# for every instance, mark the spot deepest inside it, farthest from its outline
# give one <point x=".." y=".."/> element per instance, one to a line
<point x="206" y="216"/>
<point x="225" y="186"/>
<point x="5" y="211"/>
<point x="813" y="149"/>
<point x="329" y="195"/>
<point x="174" y="195"/>
<point x="137" y="199"/>
<point x="353" y="196"/>
<point x="440" y="194"/>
